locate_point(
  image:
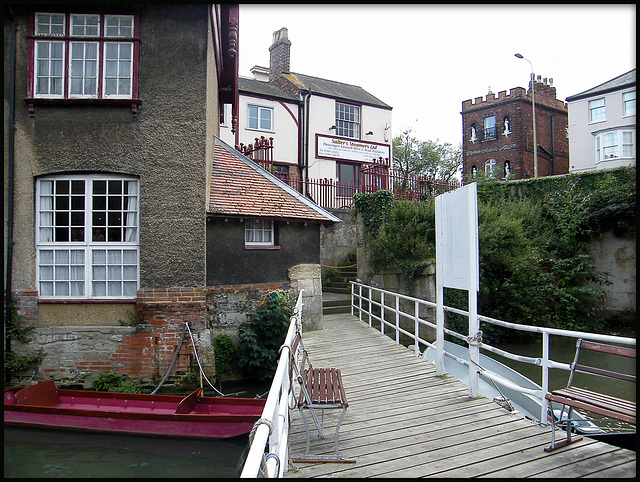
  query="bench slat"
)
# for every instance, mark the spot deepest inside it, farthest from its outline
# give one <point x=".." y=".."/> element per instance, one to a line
<point x="594" y="398"/>
<point x="604" y="348"/>
<point x="605" y="373"/>
<point x="592" y="408"/>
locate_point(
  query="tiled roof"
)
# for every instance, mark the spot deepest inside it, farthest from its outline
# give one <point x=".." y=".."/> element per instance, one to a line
<point x="338" y="90"/>
<point x="318" y="86"/>
<point x="239" y="187"/>
<point x="621" y="82"/>
<point x="267" y="89"/>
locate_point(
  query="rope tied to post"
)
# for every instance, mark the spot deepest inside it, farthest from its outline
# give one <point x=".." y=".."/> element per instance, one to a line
<point x="263" y="463"/>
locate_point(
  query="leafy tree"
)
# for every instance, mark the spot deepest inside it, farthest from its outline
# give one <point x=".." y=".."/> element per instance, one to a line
<point x="412" y="157"/>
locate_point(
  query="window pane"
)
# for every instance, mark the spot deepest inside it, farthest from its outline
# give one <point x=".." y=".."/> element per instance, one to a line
<point x="252" y="117"/>
<point x="85" y="25"/>
<point x="49" y="24"/>
<point x="118" y="68"/>
<point x="48" y="68"/>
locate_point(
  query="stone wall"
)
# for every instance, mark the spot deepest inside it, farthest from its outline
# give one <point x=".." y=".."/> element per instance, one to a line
<point x="79" y="354"/>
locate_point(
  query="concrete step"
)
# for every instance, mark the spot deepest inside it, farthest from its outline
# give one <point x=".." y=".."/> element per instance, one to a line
<point x="333" y="310"/>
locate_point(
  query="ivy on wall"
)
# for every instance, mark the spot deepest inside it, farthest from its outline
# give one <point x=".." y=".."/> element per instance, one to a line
<point x="533" y="235"/>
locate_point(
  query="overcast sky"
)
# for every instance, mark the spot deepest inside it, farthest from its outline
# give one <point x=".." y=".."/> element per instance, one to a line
<point x="424" y="60"/>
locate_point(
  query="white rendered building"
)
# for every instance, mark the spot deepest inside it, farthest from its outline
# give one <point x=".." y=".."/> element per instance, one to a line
<point x="602" y="125"/>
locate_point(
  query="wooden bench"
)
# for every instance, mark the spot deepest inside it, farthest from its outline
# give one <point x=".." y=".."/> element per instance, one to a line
<point x="320" y="389"/>
<point x="605" y="405"/>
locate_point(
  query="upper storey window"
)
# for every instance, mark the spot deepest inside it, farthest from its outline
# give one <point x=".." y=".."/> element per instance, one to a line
<point x="597" y="110"/>
<point x="83" y="56"/>
<point x="348" y="120"/>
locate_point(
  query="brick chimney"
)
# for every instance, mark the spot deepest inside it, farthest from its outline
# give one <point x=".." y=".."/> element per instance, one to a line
<point x="279" y="54"/>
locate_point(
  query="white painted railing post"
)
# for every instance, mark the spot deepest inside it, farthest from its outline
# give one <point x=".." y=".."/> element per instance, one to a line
<point x="545" y="377"/>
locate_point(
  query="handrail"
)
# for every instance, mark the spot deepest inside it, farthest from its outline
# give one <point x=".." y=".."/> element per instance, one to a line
<point x="544" y="361"/>
<point x="273" y="426"/>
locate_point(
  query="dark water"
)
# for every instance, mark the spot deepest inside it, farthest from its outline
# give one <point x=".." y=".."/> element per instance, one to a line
<point x="56" y="453"/>
<point x="30" y="452"/>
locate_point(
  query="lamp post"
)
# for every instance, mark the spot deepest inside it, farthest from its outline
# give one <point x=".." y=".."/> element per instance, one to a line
<point x="533" y="96"/>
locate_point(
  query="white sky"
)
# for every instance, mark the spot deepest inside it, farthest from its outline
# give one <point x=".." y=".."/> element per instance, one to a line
<point x="424" y="60"/>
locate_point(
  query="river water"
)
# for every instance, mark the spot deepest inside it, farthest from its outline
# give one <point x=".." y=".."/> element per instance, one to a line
<point x="31" y="452"/>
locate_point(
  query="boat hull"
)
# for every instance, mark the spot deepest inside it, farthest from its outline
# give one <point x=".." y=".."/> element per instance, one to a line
<point x="159" y="415"/>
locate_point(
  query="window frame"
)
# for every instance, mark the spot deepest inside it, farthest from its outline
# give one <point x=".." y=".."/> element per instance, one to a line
<point x="105" y="270"/>
<point x="629" y="105"/>
<point x="489" y="133"/>
<point x="490" y="165"/>
<point x="69" y="39"/>
<point x="597" y="113"/>
<point x="261" y="226"/>
<point x="345" y="127"/>
<point x="259" y="110"/>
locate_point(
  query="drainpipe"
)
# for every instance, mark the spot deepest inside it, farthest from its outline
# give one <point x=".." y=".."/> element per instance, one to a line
<point x="9" y="267"/>
<point x="553" y="141"/>
<point x="305" y="139"/>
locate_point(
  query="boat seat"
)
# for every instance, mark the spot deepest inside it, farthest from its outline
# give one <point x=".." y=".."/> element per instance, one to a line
<point x="188" y="403"/>
<point x="42" y="394"/>
<point x="590" y="401"/>
<point x="320" y="389"/>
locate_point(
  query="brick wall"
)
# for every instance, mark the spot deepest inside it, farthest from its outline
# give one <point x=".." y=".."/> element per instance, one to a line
<point x="517" y="146"/>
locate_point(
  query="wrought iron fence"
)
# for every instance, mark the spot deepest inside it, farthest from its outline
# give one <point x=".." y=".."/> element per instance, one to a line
<point x="330" y="193"/>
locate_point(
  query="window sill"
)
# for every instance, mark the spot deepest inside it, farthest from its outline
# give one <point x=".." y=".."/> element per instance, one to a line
<point x="269" y="248"/>
<point x="32" y="102"/>
<point x="84" y="301"/>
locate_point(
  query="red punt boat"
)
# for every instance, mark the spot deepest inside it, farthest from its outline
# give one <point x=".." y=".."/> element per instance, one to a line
<point x="193" y="416"/>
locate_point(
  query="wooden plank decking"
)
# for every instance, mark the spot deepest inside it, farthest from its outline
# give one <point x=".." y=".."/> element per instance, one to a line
<point x="404" y="421"/>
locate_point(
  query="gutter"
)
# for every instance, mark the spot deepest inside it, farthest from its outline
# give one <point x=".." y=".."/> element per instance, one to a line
<point x="10" y="189"/>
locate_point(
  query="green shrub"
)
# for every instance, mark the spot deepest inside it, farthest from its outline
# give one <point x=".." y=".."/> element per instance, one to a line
<point x="113" y="382"/>
<point x="262" y="335"/>
<point x="226" y="355"/>
<point x="534" y="265"/>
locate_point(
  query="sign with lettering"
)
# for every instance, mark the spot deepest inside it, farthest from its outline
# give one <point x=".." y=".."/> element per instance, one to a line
<point x="341" y="148"/>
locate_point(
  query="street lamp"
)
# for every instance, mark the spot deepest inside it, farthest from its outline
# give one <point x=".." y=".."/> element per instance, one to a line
<point x="533" y="96"/>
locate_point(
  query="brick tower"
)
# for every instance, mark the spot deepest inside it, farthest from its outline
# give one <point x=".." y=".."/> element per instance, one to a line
<point x="497" y="133"/>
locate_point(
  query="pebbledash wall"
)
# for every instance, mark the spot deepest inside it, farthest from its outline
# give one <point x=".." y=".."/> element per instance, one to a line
<point x="76" y="355"/>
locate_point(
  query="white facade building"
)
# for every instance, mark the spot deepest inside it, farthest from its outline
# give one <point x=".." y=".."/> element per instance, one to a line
<point x="321" y="129"/>
<point x="602" y="125"/>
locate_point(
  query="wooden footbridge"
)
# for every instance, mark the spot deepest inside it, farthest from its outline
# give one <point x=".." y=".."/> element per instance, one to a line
<point x="404" y="421"/>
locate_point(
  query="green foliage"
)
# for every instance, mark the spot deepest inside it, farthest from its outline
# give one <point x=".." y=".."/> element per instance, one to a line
<point x="262" y="335"/>
<point x="14" y="362"/>
<point x="113" y="382"/>
<point x="373" y="209"/>
<point x="533" y="234"/>
<point x="406" y="240"/>
<point x="415" y="158"/>
<point x="226" y="355"/>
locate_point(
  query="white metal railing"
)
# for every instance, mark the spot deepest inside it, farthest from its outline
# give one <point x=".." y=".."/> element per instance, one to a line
<point x="389" y="304"/>
<point x="273" y="426"/>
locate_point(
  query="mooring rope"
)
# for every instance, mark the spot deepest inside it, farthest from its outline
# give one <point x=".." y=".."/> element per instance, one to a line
<point x="195" y="352"/>
<point x="339" y="267"/>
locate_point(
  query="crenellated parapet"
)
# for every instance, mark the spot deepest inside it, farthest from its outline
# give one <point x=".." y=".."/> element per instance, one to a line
<point x="545" y="94"/>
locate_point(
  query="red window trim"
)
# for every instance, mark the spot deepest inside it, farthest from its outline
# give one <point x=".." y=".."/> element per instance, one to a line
<point x="31" y="101"/>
